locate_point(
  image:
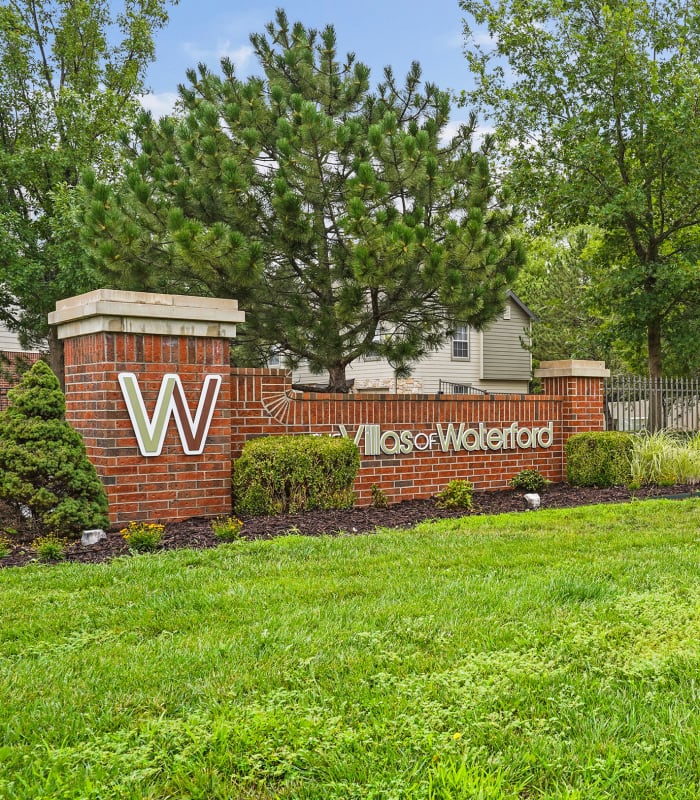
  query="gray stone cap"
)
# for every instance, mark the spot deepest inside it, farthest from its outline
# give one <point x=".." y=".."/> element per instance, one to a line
<point x="114" y="311"/>
<point x="572" y="368"/>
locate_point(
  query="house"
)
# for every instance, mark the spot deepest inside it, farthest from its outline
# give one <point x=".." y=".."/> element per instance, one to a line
<point x="494" y="360"/>
<point x="11" y="353"/>
<point x="9" y="343"/>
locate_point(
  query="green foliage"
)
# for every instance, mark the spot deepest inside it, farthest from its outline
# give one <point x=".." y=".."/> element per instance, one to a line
<point x="227" y="529"/>
<point x="457" y="494"/>
<point x="49" y="548"/>
<point x="529" y="480"/>
<point x="4" y="546"/>
<point x="328" y="210"/>
<point x="599" y="458"/>
<point x="595" y="106"/>
<point x="481" y="658"/>
<point x="558" y="283"/>
<point x="143" y="537"/>
<point x="379" y="498"/>
<point x="45" y="475"/>
<point x="665" y="458"/>
<point x="277" y="474"/>
<point x="70" y="78"/>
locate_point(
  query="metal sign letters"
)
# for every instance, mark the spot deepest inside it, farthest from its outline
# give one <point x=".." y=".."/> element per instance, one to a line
<point x="150" y="432"/>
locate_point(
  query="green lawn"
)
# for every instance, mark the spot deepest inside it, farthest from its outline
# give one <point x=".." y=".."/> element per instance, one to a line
<point x="546" y="655"/>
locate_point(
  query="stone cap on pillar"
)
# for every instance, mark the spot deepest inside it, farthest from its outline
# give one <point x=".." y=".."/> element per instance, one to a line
<point x="114" y="311"/>
<point x="572" y="368"/>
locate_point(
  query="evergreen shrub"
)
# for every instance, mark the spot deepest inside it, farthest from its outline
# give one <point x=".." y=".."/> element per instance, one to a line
<point x="279" y="474"/>
<point x="529" y="480"/>
<point x="599" y="458"/>
<point x="45" y="475"/>
<point x="457" y="494"/>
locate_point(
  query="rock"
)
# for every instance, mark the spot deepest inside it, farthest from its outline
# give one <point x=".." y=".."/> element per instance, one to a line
<point x="93" y="536"/>
<point x="532" y="500"/>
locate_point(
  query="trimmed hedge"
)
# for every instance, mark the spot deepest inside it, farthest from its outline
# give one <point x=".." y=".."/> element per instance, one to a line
<point x="279" y="474"/>
<point x="599" y="458"/>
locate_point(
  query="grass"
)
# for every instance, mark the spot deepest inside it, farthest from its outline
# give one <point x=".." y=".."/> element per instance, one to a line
<point x="546" y="655"/>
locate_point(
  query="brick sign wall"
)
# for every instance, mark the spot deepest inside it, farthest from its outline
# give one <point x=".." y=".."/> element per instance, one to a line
<point x="163" y="416"/>
<point x="442" y="437"/>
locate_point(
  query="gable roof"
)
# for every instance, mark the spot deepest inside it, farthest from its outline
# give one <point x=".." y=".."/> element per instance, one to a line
<point x="511" y="295"/>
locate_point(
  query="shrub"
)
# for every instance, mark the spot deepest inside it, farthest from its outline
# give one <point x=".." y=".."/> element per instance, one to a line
<point x="277" y="474"/>
<point x="529" y="480"/>
<point x="4" y="546"/>
<point x="227" y="529"/>
<point x="49" y="547"/>
<point x="379" y="498"/>
<point x="599" y="458"/>
<point x="45" y="475"/>
<point x="457" y="494"/>
<point x="143" y="536"/>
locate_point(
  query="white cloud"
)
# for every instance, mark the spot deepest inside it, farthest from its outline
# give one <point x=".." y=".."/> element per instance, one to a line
<point x="452" y="128"/>
<point x="159" y="104"/>
<point x="240" y="56"/>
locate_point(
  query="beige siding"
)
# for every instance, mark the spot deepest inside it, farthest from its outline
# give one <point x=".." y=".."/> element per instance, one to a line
<point x="377" y="375"/>
<point x="8" y="341"/>
<point x="504" y="357"/>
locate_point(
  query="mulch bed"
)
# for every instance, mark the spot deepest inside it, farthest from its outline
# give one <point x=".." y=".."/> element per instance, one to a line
<point x="196" y="532"/>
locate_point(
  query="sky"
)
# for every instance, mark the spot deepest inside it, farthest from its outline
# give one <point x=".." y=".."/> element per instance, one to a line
<point x="379" y="32"/>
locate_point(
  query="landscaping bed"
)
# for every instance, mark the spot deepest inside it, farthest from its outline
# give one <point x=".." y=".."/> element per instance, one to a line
<point x="196" y="532"/>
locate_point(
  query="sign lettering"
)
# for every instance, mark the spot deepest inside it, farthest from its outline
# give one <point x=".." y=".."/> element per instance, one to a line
<point x="150" y="431"/>
<point x="450" y="437"/>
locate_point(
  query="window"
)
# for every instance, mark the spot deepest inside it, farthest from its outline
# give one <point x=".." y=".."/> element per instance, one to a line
<point x="275" y="360"/>
<point x="376" y="340"/>
<point x="460" y="343"/>
<point x="506" y="311"/>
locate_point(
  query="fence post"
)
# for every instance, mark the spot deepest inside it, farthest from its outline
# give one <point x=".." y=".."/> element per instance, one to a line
<point x="581" y="384"/>
<point x="148" y="386"/>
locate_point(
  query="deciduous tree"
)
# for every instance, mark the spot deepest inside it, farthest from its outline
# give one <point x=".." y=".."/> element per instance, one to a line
<point x="596" y="106"/>
<point x="70" y="77"/>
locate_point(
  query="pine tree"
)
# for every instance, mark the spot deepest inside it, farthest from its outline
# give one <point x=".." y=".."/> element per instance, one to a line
<point x="329" y="211"/>
<point x="45" y="475"/>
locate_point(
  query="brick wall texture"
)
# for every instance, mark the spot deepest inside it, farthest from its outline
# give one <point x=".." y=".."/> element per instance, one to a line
<point x="172" y="485"/>
<point x="263" y="404"/>
<point x="256" y="403"/>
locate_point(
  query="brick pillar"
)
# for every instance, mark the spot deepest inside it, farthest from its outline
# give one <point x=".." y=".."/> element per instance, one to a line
<point x="147" y="433"/>
<point x="580" y="384"/>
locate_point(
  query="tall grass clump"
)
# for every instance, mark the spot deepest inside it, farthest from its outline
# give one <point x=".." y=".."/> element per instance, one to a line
<point x="665" y="458"/>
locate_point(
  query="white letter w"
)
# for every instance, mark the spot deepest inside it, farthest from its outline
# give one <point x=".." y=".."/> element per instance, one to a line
<point x="150" y="432"/>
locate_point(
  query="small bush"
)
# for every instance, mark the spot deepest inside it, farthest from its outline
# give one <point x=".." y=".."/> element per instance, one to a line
<point x="529" y="480"/>
<point x="599" y="458"/>
<point x="379" y="498"/>
<point x="143" y="536"/>
<point x="49" y="548"/>
<point x="45" y="476"/>
<point x="457" y="494"/>
<point x="227" y="529"/>
<point x="4" y="546"/>
<point x="278" y="474"/>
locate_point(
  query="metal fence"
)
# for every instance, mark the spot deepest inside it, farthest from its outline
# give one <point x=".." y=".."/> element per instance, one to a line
<point x="628" y="403"/>
<point x="450" y="387"/>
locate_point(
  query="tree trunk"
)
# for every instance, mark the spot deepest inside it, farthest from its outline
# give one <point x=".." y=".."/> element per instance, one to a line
<point x="56" y="357"/>
<point x="337" y="381"/>
<point x="655" y="419"/>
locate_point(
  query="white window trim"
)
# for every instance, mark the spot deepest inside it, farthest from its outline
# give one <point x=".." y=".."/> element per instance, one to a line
<point x="467" y="339"/>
